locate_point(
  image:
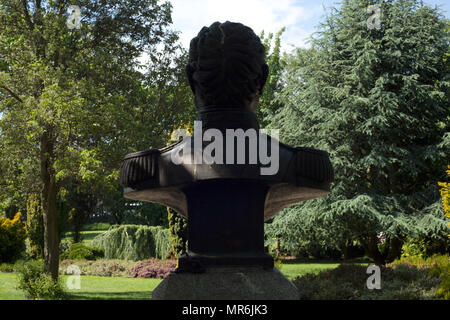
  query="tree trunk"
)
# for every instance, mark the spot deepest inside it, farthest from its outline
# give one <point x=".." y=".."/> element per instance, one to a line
<point x="50" y="214"/>
<point x="370" y="245"/>
<point x="277" y="247"/>
<point x="395" y="249"/>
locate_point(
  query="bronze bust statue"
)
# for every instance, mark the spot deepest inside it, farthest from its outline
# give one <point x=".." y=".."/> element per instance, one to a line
<point x="226" y="204"/>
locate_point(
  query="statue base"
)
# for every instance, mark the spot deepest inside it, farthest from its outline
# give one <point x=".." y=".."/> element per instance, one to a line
<point x="227" y="283"/>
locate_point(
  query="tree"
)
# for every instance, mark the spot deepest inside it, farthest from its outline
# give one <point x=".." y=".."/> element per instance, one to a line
<point x="268" y="104"/>
<point x="81" y="201"/>
<point x="69" y="99"/>
<point x="375" y="99"/>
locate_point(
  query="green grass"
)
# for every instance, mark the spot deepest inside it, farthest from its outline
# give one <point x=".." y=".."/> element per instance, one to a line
<point x="92" y="288"/>
<point x="293" y="269"/>
<point x="86" y="236"/>
<point x="8" y="291"/>
<point x="88" y="232"/>
<point x="111" y="288"/>
<point x="296" y="268"/>
<point x="96" y="226"/>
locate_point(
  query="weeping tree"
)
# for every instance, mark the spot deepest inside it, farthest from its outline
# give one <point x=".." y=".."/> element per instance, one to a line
<point x="71" y="95"/>
<point x="376" y="97"/>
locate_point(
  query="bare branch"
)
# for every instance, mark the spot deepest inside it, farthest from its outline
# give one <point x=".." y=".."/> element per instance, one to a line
<point x="27" y="15"/>
<point x="15" y="96"/>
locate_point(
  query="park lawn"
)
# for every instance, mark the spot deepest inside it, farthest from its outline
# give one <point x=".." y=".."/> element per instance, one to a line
<point x="92" y="288"/>
<point x="113" y="288"/>
<point x="8" y="291"/>
<point x="120" y="288"/>
<point x="296" y="269"/>
<point x="89" y="232"/>
<point x="86" y="236"/>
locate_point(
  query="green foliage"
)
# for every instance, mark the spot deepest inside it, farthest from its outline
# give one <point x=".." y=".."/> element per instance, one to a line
<point x="36" y="283"/>
<point x="12" y="238"/>
<point x="133" y="242"/>
<point x="35" y="226"/>
<point x="100" y="267"/>
<point x="146" y="213"/>
<point x="6" y="267"/>
<point x="445" y="192"/>
<point x="80" y="251"/>
<point x="80" y="202"/>
<point x="424" y="248"/>
<point x="444" y="288"/>
<point x="414" y="247"/>
<point x="437" y="268"/>
<point x="402" y="280"/>
<point x="268" y="104"/>
<point x="71" y="100"/>
<point x="360" y="94"/>
<point x="96" y="226"/>
<point x="178" y="232"/>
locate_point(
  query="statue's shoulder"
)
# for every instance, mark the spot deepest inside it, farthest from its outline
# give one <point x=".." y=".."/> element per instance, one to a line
<point x="139" y="166"/>
<point x="142" y="166"/>
<point x="313" y="164"/>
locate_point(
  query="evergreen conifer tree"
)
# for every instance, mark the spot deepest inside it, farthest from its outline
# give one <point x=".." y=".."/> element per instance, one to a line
<point x="376" y="98"/>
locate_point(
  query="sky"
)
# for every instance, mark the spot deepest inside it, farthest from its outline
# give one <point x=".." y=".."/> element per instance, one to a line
<point x="300" y="17"/>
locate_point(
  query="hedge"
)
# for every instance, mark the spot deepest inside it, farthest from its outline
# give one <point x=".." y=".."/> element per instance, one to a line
<point x="134" y="242"/>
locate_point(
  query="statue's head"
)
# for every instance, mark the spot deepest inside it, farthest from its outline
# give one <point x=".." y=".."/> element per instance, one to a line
<point x="227" y="66"/>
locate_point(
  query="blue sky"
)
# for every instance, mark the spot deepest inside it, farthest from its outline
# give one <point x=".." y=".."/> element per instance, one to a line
<point x="300" y="17"/>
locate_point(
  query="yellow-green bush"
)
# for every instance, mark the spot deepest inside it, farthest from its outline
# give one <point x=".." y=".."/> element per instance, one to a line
<point x="12" y="238"/>
<point x="437" y="267"/>
<point x="35" y="226"/>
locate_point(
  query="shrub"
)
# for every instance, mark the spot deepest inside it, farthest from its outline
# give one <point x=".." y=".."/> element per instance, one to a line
<point x="133" y="242"/>
<point x="425" y="248"/>
<point x="6" y="267"/>
<point x="153" y="268"/>
<point x="178" y="233"/>
<point x="101" y="267"/>
<point x="409" y="278"/>
<point x="12" y="238"/>
<point x="79" y="251"/>
<point x="36" y="283"/>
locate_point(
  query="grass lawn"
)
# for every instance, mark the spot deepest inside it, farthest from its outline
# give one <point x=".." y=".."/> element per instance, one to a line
<point x="92" y="288"/>
<point x="111" y="288"/>
<point x="293" y="269"/>
<point x="8" y="289"/>
<point x="86" y="236"/>
<point x="89" y="232"/>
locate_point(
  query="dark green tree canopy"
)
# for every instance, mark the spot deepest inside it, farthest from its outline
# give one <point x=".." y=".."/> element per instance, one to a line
<point x="377" y="100"/>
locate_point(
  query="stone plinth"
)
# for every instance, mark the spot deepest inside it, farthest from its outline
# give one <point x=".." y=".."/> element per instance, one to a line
<point x="227" y="283"/>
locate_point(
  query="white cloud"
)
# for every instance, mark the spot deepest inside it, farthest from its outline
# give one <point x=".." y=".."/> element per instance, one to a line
<point x="268" y="15"/>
